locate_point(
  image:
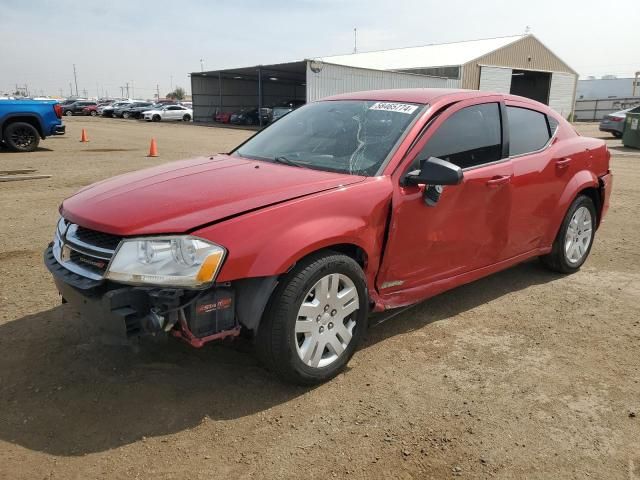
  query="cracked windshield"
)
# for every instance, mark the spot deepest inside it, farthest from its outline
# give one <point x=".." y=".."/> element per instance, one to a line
<point x="353" y="136"/>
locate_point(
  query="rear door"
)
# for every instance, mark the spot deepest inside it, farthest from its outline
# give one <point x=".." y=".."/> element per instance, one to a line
<point x="469" y="226"/>
<point x="541" y="170"/>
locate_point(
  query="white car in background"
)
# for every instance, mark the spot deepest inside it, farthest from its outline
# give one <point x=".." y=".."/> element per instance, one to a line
<point x="169" y="112"/>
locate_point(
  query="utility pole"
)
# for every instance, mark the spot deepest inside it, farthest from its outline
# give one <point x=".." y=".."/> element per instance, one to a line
<point x="121" y="92"/>
<point x="127" y="89"/>
<point x="70" y="90"/>
<point x="85" y="93"/>
<point x="132" y="90"/>
<point x="75" y="77"/>
<point x="158" y="91"/>
<point x="97" y="91"/>
<point x="355" y="40"/>
<point x="201" y="65"/>
<point x="635" y="83"/>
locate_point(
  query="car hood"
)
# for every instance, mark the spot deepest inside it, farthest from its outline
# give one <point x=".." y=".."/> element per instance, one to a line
<point x="182" y="196"/>
<point x="152" y="111"/>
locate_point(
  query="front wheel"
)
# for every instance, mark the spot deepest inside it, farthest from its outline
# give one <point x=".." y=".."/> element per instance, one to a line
<point x="187" y="118"/>
<point x="21" y="137"/>
<point x="315" y="319"/>
<point x="126" y="115"/>
<point x="155" y="118"/>
<point x="575" y="238"/>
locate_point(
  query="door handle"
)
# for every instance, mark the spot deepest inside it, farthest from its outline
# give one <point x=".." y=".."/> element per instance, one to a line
<point x="499" y="180"/>
<point x="563" y="162"/>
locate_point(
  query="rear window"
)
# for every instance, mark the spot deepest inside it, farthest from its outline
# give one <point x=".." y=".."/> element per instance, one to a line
<point x="528" y="130"/>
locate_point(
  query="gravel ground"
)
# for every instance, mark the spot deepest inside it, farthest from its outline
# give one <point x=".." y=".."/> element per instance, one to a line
<point x="524" y="374"/>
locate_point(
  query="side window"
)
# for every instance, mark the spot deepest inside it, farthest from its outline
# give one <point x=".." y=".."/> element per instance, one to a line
<point x="468" y="138"/>
<point x="528" y="130"/>
<point x="553" y="124"/>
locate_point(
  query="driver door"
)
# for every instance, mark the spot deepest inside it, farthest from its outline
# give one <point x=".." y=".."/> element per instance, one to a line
<point x="468" y="228"/>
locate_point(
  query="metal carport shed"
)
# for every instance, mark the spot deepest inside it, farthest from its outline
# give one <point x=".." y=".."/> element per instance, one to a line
<point x="230" y="90"/>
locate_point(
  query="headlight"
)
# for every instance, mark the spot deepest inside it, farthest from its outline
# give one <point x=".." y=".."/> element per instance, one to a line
<point x="178" y="261"/>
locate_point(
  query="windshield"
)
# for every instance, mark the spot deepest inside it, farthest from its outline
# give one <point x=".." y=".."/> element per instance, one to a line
<point x="346" y="136"/>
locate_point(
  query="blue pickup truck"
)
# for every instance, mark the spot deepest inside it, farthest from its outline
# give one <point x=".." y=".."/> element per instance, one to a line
<point x="24" y="122"/>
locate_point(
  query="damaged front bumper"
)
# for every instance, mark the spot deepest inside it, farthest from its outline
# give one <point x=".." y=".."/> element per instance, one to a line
<point x="122" y="313"/>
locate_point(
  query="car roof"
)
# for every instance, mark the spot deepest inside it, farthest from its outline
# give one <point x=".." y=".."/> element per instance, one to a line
<point x="425" y="95"/>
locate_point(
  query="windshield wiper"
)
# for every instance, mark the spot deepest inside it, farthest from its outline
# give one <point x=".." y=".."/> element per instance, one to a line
<point x="287" y="161"/>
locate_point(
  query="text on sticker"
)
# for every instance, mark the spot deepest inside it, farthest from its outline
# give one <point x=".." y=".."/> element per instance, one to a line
<point x="394" y="107"/>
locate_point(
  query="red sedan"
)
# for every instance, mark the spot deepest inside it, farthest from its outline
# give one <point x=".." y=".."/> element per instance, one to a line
<point x="363" y="201"/>
<point x="222" y="117"/>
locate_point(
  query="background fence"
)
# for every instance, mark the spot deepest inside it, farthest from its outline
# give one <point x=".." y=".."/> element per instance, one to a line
<point x="595" y="110"/>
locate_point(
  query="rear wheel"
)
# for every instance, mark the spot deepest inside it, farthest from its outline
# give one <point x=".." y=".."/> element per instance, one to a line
<point x="68" y="113"/>
<point x="315" y="319"/>
<point x="575" y="238"/>
<point x="21" y="137"/>
<point x="126" y="115"/>
<point x="93" y="113"/>
<point x="616" y="134"/>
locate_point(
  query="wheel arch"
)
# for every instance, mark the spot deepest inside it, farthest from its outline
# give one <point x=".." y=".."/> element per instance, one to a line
<point x="31" y="119"/>
<point x="254" y="294"/>
<point x="583" y="182"/>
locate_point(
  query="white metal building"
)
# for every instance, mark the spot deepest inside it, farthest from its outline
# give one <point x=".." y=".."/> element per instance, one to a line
<point x="601" y="88"/>
<point x="521" y="65"/>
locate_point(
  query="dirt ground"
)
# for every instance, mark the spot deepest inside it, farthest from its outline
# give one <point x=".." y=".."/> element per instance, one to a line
<point x="524" y="374"/>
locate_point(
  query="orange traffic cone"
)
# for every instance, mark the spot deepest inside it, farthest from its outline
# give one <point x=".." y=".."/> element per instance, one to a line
<point x="84" y="138"/>
<point x="153" y="149"/>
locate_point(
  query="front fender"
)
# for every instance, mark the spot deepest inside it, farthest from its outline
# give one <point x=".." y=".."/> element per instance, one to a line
<point x="580" y="181"/>
<point x="271" y="240"/>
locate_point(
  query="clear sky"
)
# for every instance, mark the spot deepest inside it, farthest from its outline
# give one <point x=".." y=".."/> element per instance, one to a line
<point x="150" y="42"/>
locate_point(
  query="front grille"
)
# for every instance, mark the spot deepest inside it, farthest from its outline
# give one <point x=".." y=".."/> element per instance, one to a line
<point x="98" y="239"/>
<point x="83" y="251"/>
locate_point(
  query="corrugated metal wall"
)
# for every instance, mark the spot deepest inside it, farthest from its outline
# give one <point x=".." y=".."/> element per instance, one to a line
<point x="335" y="79"/>
<point x="515" y="55"/>
<point x="236" y="94"/>
<point x="495" y="79"/>
<point x="562" y="92"/>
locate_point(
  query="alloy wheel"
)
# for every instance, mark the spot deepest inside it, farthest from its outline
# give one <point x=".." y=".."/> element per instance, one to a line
<point x="22" y="137"/>
<point x="578" y="237"/>
<point x="326" y="320"/>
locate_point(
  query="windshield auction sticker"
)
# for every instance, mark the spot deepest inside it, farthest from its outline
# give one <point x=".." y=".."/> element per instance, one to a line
<point x="394" y="107"/>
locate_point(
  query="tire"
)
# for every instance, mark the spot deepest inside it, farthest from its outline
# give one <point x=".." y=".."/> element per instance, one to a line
<point x="575" y="239"/>
<point x="616" y="134"/>
<point x="156" y="118"/>
<point x="282" y="347"/>
<point x="126" y="115"/>
<point x="93" y="113"/>
<point x="68" y="113"/>
<point x="187" y="118"/>
<point x="21" y="137"/>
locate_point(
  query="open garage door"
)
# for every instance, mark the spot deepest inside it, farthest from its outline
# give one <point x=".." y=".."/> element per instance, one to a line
<point x="495" y="79"/>
<point x="561" y="93"/>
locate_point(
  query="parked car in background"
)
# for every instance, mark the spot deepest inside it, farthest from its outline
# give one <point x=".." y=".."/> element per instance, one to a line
<point x="125" y="110"/>
<point x="614" y="122"/>
<point x="24" y="122"/>
<point x="94" y="110"/>
<point x="248" y="117"/>
<point x="76" y="108"/>
<point x="108" y="110"/>
<point x="137" y="112"/>
<point x="169" y="112"/>
<point x="362" y="201"/>
<point x="280" y="110"/>
<point x="222" y="117"/>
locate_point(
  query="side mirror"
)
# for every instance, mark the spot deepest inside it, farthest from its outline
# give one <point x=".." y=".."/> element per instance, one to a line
<point x="434" y="171"/>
